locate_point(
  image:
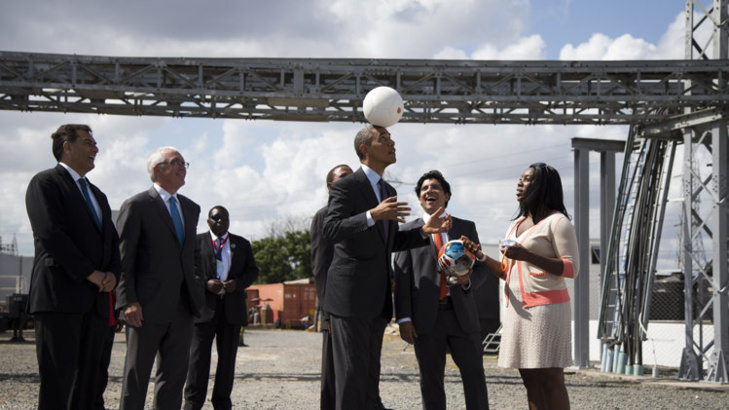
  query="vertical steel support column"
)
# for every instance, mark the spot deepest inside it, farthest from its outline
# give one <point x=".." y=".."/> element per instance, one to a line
<point x="581" y="305"/>
<point x="717" y="366"/>
<point x="719" y="360"/>
<point x="692" y="360"/>
<point x="607" y="202"/>
<point x="690" y="368"/>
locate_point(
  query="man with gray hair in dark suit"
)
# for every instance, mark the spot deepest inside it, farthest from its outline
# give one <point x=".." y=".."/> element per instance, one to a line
<point x="159" y="292"/>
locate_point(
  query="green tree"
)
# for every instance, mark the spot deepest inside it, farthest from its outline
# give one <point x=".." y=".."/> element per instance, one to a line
<point x="283" y="257"/>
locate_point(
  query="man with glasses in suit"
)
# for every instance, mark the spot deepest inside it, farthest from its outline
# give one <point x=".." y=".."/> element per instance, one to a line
<point x="159" y="292"/>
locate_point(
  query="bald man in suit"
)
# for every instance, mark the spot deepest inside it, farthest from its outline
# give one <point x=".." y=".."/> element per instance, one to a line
<point x="228" y="267"/>
<point x="75" y="267"/>
<point x="159" y="292"/>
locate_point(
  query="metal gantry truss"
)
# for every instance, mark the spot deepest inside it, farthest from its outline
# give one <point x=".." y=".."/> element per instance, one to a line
<point x="434" y="91"/>
<point x="712" y="137"/>
<point x="659" y="98"/>
<point x="630" y="269"/>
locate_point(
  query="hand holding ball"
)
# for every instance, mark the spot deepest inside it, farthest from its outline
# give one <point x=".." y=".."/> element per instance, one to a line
<point x="455" y="259"/>
<point x="382" y="106"/>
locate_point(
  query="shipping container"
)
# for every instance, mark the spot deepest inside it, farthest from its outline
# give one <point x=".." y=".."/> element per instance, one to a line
<point x="292" y="304"/>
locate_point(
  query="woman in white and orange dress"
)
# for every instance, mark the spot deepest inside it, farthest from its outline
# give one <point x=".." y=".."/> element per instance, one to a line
<point x="542" y="252"/>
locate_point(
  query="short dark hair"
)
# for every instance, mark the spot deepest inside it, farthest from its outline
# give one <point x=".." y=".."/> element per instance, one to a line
<point x="66" y="132"/>
<point x="546" y="195"/>
<point x="364" y="136"/>
<point x="434" y="174"/>
<point x="330" y="174"/>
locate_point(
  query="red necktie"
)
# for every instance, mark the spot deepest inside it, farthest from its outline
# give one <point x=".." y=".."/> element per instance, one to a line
<point x="438" y="240"/>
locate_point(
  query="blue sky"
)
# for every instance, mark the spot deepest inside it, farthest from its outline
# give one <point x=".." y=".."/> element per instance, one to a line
<point x="565" y="22"/>
<point x="268" y="174"/>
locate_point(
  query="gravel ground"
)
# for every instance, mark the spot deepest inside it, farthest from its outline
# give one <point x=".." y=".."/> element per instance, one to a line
<point x="280" y="370"/>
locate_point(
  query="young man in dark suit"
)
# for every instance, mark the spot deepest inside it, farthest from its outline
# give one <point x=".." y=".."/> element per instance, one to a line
<point x="434" y="314"/>
<point x="159" y="291"/>
<point x="75" y="267"/>
<point x="227" y="267"/>
<point x="322" y="252"/>
<point x="362" y="222"/>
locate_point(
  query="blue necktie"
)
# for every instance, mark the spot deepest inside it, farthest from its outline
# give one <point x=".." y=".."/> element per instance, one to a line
<point x="85" y="190"/>
<point x="383" y="196"/>
<point x="177" y="220"/>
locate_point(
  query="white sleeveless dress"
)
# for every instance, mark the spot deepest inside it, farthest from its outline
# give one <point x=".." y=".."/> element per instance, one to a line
<point x="536" y="337"/>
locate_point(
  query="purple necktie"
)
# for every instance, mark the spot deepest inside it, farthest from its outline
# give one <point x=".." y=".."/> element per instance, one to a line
<point x="383" y="196"/>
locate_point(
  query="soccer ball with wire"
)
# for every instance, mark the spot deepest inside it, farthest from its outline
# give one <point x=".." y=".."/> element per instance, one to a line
<point x="455" y="259"/>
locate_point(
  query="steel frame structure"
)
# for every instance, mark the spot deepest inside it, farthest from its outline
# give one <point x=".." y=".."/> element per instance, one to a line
<point x="660" y="97"/>
<point x="456" y="92"/>
<point x="711" y="137"/>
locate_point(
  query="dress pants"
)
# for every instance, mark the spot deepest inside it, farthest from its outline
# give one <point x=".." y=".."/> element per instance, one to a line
<point x="226" y="340"/>
<point x="328" y="398"/>
<point x="68" y="348"/>
<point x="170" y="344"/>
<point x="103" y="375"/>
<point x="357" y="347"/>
<point x="467" y="353"/>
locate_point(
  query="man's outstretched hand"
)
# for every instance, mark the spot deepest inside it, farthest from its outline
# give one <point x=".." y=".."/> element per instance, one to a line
<point x="438" y="223"/>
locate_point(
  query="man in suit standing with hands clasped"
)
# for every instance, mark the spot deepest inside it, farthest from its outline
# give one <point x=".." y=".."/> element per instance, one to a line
<point x="434" y="314"/>
<point x="159" y="292"/>
<point x="75" y="267"/>
<point x="362" y="223"/>
<point x="227" y="266"/>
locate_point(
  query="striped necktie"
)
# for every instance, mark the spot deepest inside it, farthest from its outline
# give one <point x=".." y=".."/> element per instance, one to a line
<point x="438" y="240"/>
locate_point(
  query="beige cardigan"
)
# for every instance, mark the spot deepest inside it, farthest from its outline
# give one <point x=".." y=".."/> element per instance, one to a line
<point x="553" y="237"/>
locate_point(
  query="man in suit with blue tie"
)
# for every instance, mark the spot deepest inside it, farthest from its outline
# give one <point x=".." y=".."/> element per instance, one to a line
<point x="75" y="267"/>
<point x="435" y="314"/>
<point x="159" y="291"/>
<point x="361" y="221"/>
<point x="227" y="266"/>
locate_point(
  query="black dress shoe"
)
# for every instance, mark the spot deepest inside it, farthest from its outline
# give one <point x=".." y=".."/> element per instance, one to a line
<point x="381" y="406"/>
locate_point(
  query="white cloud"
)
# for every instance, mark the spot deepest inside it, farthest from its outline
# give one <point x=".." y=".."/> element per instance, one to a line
<point x="627" y="47"/>
<point x="527" y="48"/>
<point x="601" y="47"/>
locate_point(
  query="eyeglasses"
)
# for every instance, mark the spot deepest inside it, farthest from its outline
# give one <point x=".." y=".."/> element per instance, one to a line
<point x="176" y="162"/>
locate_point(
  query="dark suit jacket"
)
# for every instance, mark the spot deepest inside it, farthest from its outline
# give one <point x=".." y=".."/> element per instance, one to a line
<point x="68" y="245"/>
<point x="358" y="281"/>
<point x="417" y="279"/>
<point x="153" y="262"/>
<point x="322" y="252"/>
<point x="243" y="270"/>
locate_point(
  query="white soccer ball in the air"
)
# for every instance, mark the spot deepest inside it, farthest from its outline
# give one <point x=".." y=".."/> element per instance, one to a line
<point x="455" y="259"/>
<point x="382" y="106"/>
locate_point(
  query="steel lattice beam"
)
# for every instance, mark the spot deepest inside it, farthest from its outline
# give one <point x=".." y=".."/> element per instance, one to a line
<point x="435" y="91"/>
